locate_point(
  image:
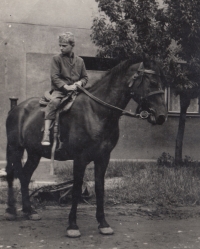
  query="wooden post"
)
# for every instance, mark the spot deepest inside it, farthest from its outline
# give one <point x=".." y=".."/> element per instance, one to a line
<point x="13" y="102"/>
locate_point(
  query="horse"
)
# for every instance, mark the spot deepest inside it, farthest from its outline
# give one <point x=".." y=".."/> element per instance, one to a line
<point x="89" y="132"/>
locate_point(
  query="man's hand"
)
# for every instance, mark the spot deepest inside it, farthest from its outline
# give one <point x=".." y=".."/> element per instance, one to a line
<point x="70" y="87"/>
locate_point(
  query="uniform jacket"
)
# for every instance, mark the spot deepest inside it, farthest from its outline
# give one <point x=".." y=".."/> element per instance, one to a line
<point x="65" y="70"/>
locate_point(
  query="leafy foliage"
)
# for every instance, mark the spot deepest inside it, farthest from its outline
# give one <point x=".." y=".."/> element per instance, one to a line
<point x="184" y="26"/>
<point x="172" y="34"/>
<point x="183" y="22"/>
<point x="127" y="27"/>
<point x="185" y="77"/>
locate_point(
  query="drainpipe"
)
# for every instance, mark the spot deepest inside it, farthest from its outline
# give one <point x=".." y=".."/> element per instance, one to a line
<point x="13" y="102"/>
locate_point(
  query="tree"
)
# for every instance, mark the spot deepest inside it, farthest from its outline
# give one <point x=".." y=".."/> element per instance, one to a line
<point x="183" y="25"/>
<point x="128" y="27"/>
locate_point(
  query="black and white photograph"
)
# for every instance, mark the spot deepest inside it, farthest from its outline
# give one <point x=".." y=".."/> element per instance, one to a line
<point x="99" y="127"/>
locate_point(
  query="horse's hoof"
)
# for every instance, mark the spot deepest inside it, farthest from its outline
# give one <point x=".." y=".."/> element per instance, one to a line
<point x="34" y="216"/>
<point x="10" y="217"/>
<point x="106" y="230"/>
<point x="31" y="216"/>
<point x="72" y="233"/>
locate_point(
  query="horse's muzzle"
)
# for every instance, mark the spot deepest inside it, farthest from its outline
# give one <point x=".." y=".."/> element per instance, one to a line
<point x="160" y="119"/>
<point x="156" y="119"/>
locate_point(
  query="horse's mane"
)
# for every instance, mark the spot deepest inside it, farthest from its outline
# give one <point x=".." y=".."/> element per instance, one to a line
<point x="119" y="69"/>
<point x="123" y="65"/>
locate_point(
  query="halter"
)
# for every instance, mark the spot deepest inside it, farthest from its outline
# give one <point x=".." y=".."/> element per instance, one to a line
<point x="143" y="114"/>
<point x="135" y="76"/>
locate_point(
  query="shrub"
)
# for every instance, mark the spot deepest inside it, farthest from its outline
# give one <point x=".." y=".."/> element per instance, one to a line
<point x="189" y="162"/>
<point x="165" y="160"/>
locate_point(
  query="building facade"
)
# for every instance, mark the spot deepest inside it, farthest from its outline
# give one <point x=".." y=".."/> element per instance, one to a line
<point x="29" y="38"/>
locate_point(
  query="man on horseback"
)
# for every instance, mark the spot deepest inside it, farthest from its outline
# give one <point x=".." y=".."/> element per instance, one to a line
<point x="67" y="71"/>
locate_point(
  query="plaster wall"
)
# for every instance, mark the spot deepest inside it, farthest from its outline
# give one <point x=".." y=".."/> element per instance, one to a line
<point x="33" y="26"/>
<point x="28" y="39"/>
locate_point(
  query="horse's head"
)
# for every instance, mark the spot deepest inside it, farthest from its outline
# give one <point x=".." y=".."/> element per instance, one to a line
<point x="145" y="85"/>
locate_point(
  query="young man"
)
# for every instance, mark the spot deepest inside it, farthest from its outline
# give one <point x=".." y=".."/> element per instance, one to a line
<point x="67" y="71"/>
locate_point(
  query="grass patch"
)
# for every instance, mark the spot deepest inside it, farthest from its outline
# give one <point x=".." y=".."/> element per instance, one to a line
<point x="148" y="183"/>
<point x="142" y="183"/>
<point x="117" y="168"/>
<point x="160" y="186"/>
<point x="4" y="195"/>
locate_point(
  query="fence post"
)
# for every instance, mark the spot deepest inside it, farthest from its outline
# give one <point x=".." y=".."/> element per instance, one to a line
<point x="13" y="102"/>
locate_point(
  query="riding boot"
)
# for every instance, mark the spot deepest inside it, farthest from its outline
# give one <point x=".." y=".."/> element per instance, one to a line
<point x="46" y="139"/>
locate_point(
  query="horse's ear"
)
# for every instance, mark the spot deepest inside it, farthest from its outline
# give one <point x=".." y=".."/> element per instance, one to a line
<point x="146" y="60"/>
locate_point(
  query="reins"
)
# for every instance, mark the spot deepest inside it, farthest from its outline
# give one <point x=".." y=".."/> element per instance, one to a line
<point x="124" y="112"/>
<point x="143" y="114"/>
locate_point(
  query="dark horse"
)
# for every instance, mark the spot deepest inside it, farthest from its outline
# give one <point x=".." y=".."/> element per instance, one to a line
<point x="89" y="131"/>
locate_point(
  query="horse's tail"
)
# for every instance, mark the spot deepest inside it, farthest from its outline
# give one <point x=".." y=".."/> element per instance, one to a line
<point x="14" y="156"/>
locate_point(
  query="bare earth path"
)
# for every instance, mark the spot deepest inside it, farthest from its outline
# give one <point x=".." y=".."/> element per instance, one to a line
<point x="134" y="227"/>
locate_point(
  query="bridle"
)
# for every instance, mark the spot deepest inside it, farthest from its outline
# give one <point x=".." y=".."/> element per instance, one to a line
<point x="143" y="99"/>
<point x="143" y="114"/>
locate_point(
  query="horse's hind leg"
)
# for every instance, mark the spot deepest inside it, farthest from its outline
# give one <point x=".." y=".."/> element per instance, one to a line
<point x="101" y="164"/>
<point x="13" y="169"/>
<point x="25" y="177"/>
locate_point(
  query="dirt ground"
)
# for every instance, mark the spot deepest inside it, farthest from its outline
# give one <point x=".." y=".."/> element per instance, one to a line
<point x="134" y="226"/>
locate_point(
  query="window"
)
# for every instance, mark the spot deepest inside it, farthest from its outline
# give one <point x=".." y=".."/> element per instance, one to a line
<point x="173" y="104"/>
<point x="99" y="64"/>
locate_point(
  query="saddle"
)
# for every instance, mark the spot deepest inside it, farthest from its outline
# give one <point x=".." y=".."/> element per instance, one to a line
<point x="66" y="102"/>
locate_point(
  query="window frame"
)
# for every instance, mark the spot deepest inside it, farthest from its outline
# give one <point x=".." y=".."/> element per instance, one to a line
<point x="177" y="113"/>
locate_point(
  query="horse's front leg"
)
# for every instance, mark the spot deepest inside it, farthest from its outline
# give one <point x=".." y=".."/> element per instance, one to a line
<point x="78" y="173"/>
<point x="101" y="164"/>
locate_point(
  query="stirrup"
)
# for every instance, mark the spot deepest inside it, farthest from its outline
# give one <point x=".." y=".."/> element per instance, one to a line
<point x="46" y="140"/>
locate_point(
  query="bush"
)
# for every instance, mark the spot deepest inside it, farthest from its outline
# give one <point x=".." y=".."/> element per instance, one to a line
<point x="166" y="160"/>
<point x="189" y="162"/>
